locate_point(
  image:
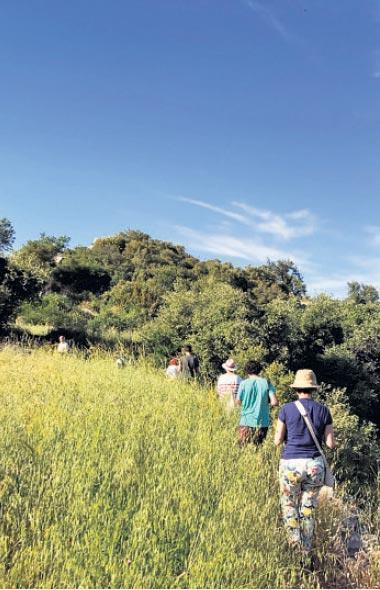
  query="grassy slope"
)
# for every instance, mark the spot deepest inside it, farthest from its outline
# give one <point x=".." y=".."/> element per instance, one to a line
<point x="114" y="478"/>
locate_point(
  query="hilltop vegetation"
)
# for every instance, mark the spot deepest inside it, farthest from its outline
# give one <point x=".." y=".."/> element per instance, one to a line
<point x="129" y="291"/>
<point x="116" y="479"/>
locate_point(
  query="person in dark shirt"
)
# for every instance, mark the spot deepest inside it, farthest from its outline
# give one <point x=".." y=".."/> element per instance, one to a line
<point x="189" y="363"/>
<point x="301" y="467"/>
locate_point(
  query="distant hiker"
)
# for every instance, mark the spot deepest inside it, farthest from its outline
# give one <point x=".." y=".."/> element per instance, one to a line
<point x="87" y="354"/>
<point x="228" y="384"/>
<point x="121" y="362"/>
<point x="189" y="363"/>
<point x="172" y="370"/>
<point x="62" y="345"/>
<point x="255" y="394"/>
<point x="302" y="468"/>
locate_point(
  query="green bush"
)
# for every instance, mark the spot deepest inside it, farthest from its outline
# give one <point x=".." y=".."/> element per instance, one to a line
<point x="356" y="459"/>
<point x="54" y="310"/>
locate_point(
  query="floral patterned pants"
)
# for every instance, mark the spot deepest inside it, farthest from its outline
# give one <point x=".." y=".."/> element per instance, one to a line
<point x="300" y="483"/>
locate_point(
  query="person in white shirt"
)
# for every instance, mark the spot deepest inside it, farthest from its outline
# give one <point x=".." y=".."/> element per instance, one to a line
<point x="228" y="384"/>
<point x="62" y="345"/>
<point x="120" y="362"/>
<point x="173" y="369"/>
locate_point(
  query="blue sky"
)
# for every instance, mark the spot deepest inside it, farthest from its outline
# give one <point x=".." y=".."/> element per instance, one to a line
<point x="243" y="129"/>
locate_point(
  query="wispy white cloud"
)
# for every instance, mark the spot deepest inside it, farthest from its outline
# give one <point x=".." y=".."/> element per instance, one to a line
<point x="222" y="244"/>
<point x="222" y="211"/>
<point x="281" y="225"/>
<point x="373" y="232"/>
<point x="288" y="226"/>
<point x="253" y="235"/>
<point x="370" y="265"/>
<point x="268" y="15"/>
<point x="363" y="269"/>
<point x="337" y="285"/>
<point x="332" y="285"/>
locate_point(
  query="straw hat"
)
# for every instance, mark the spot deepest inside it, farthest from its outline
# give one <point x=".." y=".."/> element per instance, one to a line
<point x="305" y="379"/>
<point x="229" y="365"/>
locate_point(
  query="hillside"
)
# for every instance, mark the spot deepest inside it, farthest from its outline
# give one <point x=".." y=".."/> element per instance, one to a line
<point x="146" y="297"/>
<point x="118" y="478"/>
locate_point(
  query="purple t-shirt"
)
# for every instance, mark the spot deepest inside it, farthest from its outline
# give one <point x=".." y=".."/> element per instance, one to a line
<point x="298" y="441"/>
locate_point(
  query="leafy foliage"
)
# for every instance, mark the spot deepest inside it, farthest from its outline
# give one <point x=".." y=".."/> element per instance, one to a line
<point x="360" y="293"/>
<point x="7" y="235"/>
<point x="77" y="280"/>
<point x="15" y="286"/>
<point x="54" y="310"/>
<point x="41" y="256"/>
<point x="213" y="316"/>
<point x="357" y="456"/>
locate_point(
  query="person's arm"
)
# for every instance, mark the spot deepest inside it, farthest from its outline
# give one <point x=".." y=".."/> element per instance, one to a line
<point x="329" y="436"/>
<point x="239" y="395"/>
<point x="236" y="388"/>
<point x="329" y="430"/>
<point x="272" y="395"/>
<point x="273" y="399"/>
<point x="279" y="436"/>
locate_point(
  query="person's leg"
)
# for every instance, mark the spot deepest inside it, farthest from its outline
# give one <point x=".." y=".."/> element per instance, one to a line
<point x="244" y="435"/>
<point x="259" y="435"/>
<point x="310" y="489"/>
<point x="290" y="488"/>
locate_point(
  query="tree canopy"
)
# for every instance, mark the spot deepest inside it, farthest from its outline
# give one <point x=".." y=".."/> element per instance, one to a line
<point x="7" y="235"/>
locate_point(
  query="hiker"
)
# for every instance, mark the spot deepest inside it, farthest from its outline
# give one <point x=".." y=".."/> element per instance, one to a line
<point x="62" y="346"/>
<point x="189" y="363"/>
<point x="302" y="468"/>
<point x="228" y="384"/>
<point x="172" y="370"/>
<point x="120" y="362"/>
<point x="255" y="395"/>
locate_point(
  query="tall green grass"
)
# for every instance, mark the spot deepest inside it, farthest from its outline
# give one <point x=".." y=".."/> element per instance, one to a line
<point x="119" y="478"/>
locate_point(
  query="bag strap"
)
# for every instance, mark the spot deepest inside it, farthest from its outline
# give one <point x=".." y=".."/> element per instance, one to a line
<point x="302" y="410"/>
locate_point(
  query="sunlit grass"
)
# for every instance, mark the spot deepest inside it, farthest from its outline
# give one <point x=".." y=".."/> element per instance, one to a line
<point x="34" y="329"/>
<point x="119" y="478"/>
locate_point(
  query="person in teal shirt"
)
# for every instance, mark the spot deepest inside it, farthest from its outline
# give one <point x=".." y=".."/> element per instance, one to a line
<point x="255" y="396"/>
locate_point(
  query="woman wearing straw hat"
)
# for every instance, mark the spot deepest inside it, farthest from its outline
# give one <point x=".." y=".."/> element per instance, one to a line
<point x="228" y="384"/>
<point x="302" y="468"/>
